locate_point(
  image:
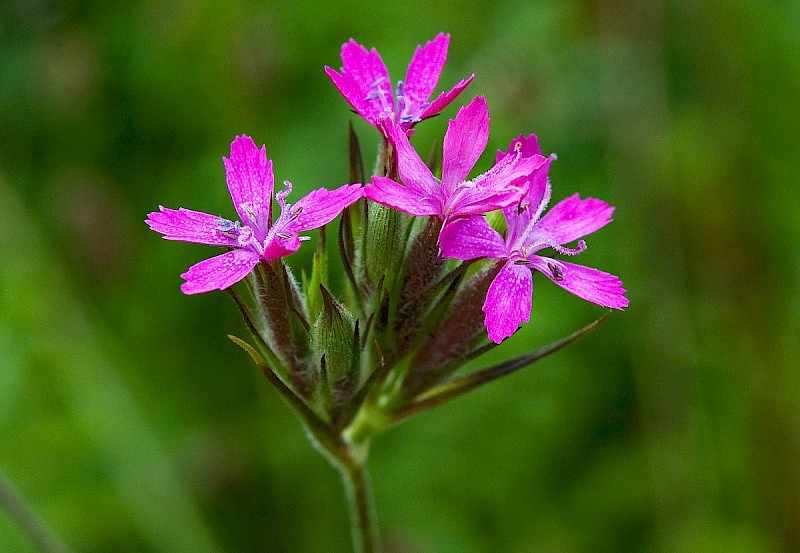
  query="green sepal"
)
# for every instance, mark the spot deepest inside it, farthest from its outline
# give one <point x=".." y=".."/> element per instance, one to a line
<point x="335" y="347"/>
<point x="254" y="320"/>
<point x="386" y="162"/>
<point x="422" y="268"/>
<point x="285" y="320"/>
<point x="319" y="276"/>
<point x="384" y="243"/>
<point x="349" y="252"/>
<point x="356" y="173"/>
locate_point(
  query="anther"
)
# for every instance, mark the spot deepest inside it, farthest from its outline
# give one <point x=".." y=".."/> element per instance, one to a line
<point x="248" y="210"/>
<point x="228" y="228"/>
<point x="556" y="271"/>
<point x="375" y="89"/>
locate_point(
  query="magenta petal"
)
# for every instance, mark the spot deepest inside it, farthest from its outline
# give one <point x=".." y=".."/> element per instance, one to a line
<point x="250" y="179"/>
<point x="539" y="191"/>
<point x="444" y="99"/>
<point x="573" y="218"/>
<point x="220" y="272"/>
<point x="464" y="142"/>
<point x="508" y="302"/>
<point x="321" y="206"/>
<point x="387" y="192"/>
<point x="479" y="200"/>
<point x="471" y="238"/>
<point x="352" y="91"/>
<point x="534" y="202"/>
<point x="585" y="282"/>
<point x="364" y="82"/>
<point x="528" y="146"/>
<point x="189" y="226"/>
<point x="502" y="187"/>
<point x="281" y="246"/>
<point x="423" y="74"/>
<point x="413" y="171"/>
<point x="508" y="170"/>
<point x="538" y="188"/>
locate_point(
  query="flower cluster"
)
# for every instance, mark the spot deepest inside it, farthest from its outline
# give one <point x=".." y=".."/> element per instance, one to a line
<point x="407" y="305"/>
<point x="428" y="277"/>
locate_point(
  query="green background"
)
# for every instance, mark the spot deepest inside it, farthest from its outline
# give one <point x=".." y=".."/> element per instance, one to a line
<point x="130" y="423"/>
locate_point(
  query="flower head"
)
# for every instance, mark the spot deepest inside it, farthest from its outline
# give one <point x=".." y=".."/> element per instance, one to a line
<point x="508" y="301"/>
<point x="255" y="237"/>
<point x="454" y="196"/>
<point x="364" y="82"/>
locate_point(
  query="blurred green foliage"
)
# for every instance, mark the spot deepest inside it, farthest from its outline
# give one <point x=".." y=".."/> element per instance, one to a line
<point x="129" y="421"/>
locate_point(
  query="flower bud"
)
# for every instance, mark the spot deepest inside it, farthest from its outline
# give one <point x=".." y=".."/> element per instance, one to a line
<point x="334" y="339"/>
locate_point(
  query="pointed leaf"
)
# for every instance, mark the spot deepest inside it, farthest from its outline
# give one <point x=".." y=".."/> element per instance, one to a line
<point x="319" y="276"/>
<point x="464" y="384"/>
<point x="354" y="155"/>
<point x="311" y="419"/>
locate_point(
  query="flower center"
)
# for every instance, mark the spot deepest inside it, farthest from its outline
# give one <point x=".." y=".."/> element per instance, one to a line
<point x="404" y="109"/>
<point x="244" y="235"/>
<point x="376" y="92"/>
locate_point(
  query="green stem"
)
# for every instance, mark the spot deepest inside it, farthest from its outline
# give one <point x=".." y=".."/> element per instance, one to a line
<point x="30" y="524"/>
<point x="346" y="451"/>
<point x="359" y="495"/>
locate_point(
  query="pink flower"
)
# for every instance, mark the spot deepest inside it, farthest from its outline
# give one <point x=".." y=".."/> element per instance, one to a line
<point x="454" y="196"/>
<point x="508" y="301"/>
<point x="256" y="237"/>
<point x="364" y="82"/>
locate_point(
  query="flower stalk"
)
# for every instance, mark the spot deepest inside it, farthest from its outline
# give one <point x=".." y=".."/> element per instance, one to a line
<point x="362" y="509"/>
